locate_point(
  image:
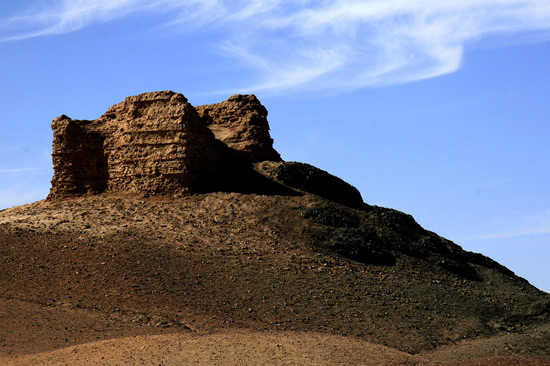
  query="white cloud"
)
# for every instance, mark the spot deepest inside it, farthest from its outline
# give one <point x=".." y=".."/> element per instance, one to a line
<point x="18" y="195"/>
<point x="508" y="234"/>
<point x="516" y="225"/>
<point x="23" y="185"/>
<point x="315" y="45"/>
<point x="19" y="170"/>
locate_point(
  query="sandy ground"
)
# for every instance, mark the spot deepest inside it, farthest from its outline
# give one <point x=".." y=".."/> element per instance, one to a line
<point x="242" y="347"/>
<point x="228" y="348"/>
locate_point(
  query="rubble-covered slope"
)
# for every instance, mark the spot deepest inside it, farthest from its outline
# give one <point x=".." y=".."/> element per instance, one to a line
<point x="167" y="218"/>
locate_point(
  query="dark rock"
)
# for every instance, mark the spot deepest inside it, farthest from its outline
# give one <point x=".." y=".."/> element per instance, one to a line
<point x="361" y="245"/>
<point x="455" y="266"/>
<point x="314" y="180"/>
<point x="332" y="216"/>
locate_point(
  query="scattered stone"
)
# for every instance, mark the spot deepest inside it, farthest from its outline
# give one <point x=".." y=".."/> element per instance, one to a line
<point x="331" y="216"/>
<point x="314" y="180"/>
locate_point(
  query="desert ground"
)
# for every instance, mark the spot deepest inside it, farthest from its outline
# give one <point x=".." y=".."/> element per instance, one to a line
<point x="234" y="278"/>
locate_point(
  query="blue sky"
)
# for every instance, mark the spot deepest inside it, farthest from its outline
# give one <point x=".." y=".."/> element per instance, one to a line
<point x="438" y="109"/>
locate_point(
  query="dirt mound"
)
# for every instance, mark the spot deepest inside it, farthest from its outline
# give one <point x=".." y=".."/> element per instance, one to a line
<point x="227" y="348"/>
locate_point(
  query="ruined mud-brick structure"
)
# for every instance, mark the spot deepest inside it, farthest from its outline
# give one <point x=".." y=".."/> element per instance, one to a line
<point x="158" y="143"/>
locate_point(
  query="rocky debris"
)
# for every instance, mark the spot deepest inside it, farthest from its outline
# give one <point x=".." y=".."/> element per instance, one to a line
<point x="157" y="143"/>
<point x="332" y="216"/>
<point x="314" y="180"/>
<point x="359" y="244"/>
<point x="387" y="233"/>
<point x="403" y="234"/>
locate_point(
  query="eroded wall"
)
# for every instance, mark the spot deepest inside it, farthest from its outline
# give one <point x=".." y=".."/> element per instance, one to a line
<point x="157" y="143"/>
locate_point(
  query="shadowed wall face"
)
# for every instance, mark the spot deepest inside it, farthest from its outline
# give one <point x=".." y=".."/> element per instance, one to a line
<point x="78" y="158"/>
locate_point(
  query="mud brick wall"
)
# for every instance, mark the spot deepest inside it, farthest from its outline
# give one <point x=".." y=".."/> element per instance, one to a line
<point x="241" y="123"/>
<point x="78" y="158"/>
<point x="157" y="143"/>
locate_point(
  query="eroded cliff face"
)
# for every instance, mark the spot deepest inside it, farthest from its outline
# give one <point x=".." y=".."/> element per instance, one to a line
<point x="157" y="143"/>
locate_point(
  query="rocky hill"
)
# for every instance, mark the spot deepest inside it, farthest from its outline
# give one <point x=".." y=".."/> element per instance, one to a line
<point x="169" y="220"/>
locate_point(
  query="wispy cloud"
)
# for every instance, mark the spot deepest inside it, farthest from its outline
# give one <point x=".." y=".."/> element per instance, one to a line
<point x="23" y="185"/>
<point x="19" y="195"/>
<point x="20" y="170"/>
<point x="484" y="185"/>
<point x="508" y="234"/>
<point x="314" y="45"/>
<point x="516" y="225"/>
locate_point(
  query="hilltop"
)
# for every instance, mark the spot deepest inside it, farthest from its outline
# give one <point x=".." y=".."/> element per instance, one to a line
<point x="171" y="229"/>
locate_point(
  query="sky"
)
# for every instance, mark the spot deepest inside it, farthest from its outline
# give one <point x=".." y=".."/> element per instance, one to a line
<point x="438" y="109"/>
